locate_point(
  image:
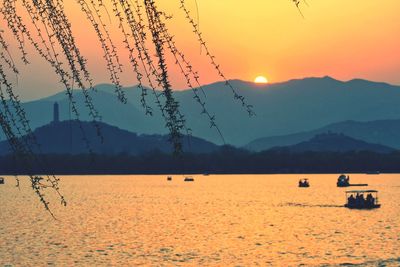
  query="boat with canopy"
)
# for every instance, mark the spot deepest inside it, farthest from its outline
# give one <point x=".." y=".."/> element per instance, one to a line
<point x="362" y="199"/>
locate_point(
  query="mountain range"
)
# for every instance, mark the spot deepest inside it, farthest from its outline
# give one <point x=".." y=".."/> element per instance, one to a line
<point x="333" y="142"/>
<point x="66" y="138"/>
<point x="383" y="132"/>
<point x="282" y="109"/>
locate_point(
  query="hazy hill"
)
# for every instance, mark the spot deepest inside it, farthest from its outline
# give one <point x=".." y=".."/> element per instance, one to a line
<point x="384" y="132"/>
<point x="283" y="108"/>
<point x="66" y="138"/>
<point x="332" y="142"/>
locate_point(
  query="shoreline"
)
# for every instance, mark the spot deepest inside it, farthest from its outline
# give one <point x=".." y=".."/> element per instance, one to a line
<point x="189" y="173"/>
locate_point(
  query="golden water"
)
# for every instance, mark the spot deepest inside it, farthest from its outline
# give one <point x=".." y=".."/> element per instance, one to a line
<point x="218" y="220"/>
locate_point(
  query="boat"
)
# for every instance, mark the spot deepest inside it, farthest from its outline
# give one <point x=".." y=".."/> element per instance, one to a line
<point x="1" y="180"/>
<point x="344" y="181"/>
<point x="189" y="179"/>
<point x="169" y="178"/>
<point x="356" y="199"/>
<point x="304" y="183"/>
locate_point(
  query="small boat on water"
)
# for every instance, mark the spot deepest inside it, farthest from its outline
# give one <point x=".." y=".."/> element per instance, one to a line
<point x="356" y="199"/>
<point x="1" y="180"/>
<point x="304" y="183"/>
<point x="188" y="179"/>
<point x="169" y="178"/>
<point x="344" y="181"/>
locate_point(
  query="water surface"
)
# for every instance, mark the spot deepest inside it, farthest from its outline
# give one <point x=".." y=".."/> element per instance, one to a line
<point x="218" y="220"/>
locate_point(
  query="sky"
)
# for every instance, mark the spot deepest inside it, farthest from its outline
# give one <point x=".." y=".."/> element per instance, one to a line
<point x="340" y="38"/>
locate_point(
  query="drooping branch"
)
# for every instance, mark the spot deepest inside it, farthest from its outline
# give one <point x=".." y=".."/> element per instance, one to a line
<point x="176" y="121"/>
<point x="217" y="67"/>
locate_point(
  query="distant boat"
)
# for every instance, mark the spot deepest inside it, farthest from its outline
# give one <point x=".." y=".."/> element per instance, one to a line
<point x="206" y="174"/>
<point x="189" y="179"/>
<point x="1" y="180"/>
<point x="304" y="183"/>
<point x="355" y="199"/>
<point x="344" y="181"/>
<point x="169" y="178"/>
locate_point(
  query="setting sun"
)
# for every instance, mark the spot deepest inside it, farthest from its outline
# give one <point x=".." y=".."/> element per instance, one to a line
<point x="260" y="79"/>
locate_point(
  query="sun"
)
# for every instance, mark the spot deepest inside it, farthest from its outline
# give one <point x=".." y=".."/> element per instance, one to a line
<point x="260" y="79"/>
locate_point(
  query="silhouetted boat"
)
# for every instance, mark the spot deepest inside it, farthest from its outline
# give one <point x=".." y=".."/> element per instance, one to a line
<point x="304" y="183"/>
<point x="169" y="178"/>
<point x="344" y="181"/>
<point x="1" y="180"/>
<point x="189" y="179"/>
<point x="355" y="199"/>
<point x="206" y="174"/>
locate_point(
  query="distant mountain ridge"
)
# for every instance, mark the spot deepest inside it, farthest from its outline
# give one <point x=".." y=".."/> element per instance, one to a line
<point x="65" y="137"/>
<point x="384" y="132"/>
<point x="283" y="108"/>
<point x="333" y="142"/>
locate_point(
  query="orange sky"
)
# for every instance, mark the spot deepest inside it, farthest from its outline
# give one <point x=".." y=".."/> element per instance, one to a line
<point x="341" y="38"/>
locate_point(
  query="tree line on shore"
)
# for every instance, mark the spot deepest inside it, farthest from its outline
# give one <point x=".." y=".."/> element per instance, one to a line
<point x="225" y="161"/>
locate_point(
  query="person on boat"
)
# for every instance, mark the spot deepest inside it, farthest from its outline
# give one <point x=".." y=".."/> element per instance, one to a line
<point x="363" y="202"/>
<point x="370" y="201"/>
<point x="359" y="200"/>
<point x="300" y="182"/>
<point x="362" y="197"/>
<point x="351" y="200"/>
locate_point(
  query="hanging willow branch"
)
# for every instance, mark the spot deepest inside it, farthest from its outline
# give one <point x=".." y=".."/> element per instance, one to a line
<point x="44" y="26"/>
<point x="175" y="121"/>
<point x="237" y="96"/>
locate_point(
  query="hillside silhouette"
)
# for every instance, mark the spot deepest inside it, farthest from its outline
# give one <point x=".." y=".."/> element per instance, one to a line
<point x="383" y="132"/>
<point x="333" y="142"/>
<point x="66" y="137"/>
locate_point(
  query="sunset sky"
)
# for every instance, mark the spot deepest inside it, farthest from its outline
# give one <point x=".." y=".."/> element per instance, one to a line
<point x="341" y="38"/>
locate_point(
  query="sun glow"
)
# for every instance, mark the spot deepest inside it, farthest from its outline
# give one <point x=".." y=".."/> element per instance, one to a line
<point x="261" y="79"/>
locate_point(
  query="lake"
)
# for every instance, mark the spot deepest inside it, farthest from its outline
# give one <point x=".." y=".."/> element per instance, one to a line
<point x="218" y="220"/>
